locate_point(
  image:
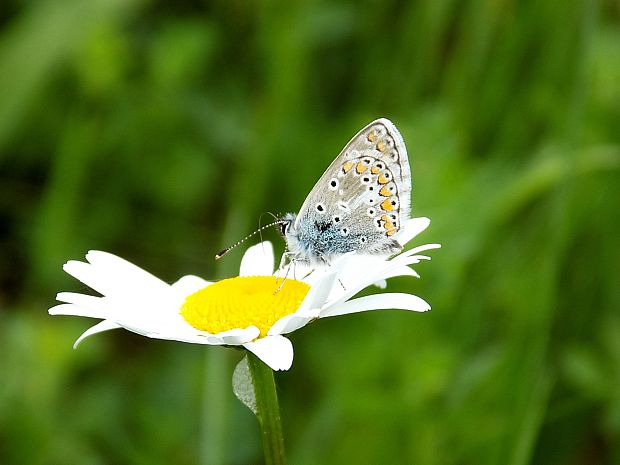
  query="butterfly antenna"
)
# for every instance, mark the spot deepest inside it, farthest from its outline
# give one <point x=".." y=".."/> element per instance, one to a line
<point x="228" y="249"/>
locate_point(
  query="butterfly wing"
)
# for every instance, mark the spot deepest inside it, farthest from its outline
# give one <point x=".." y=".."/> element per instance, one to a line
<point x="362" y="199"/>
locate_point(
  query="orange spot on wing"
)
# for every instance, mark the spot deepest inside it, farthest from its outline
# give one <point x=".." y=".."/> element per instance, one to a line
<point x="385" y="192"/>
<point x="387" y="205"/>
<point x="372" y="137"/>
<point x="360" y="167"/>
<point x="392" y="232"/>
<point x="346" y="167"/>
<point x="381" y="146"/>
<point x="382" y="179"/>
<point x="375" y="170"/>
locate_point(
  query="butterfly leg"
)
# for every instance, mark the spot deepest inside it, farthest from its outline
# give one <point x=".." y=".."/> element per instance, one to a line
<point x="281" y="285"/>
<point x="288" y="262"/>
<point x="284" y="261"/>
<point x="324" y="259"/>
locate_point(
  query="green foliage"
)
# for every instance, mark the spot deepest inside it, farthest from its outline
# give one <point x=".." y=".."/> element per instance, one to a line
<point x="161" y="131"/>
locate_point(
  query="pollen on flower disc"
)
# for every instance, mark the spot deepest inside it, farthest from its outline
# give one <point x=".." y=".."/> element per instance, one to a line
<point x="243" y="301"/>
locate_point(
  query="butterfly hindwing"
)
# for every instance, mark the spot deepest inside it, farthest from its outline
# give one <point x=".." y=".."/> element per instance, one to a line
<point x="363" y="198"/>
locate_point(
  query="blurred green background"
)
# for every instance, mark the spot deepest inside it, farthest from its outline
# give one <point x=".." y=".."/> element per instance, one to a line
<point x="161" y="131"/>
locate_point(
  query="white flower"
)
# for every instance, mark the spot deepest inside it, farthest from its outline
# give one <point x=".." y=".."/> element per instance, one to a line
<point x="253" y="310"/>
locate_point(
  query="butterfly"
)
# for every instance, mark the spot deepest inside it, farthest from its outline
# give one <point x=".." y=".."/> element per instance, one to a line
<point x="358" y="205"/>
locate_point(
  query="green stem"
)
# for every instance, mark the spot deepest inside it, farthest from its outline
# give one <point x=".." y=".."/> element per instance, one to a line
<point x="267" y="411"/>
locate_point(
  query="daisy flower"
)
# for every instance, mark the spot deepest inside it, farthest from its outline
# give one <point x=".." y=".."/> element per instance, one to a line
<point x="254" y="310"/>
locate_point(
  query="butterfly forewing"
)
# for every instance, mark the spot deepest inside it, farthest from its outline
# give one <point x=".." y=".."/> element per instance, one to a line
<point x="363" y="198"/>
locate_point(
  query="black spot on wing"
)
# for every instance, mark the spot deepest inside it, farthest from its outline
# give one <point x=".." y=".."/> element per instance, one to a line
<point x="322" y="227"/>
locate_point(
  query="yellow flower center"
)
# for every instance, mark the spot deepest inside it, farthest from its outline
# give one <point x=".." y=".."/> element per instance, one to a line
<point x="243" y="301"/>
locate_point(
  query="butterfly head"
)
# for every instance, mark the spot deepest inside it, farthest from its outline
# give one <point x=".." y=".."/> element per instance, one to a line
<point x="286" y="223"/>
<point x="297" y="249"/>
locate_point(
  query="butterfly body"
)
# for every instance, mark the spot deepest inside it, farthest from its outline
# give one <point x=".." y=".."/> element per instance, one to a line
<point x="358" y="205"/>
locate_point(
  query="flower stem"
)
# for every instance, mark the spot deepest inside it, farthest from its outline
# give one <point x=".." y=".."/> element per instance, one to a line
<point x="267" y="411"/>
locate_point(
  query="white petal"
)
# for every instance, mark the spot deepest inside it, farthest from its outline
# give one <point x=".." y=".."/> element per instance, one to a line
<point x="157" y="319"/>
<point x="188" y="285"/>
<point x="354" y="285"/>
<point x="83" y="272"/>
<point x="235" y="336"/>
<point x="309" y="308"/>
<point x="275" y="351"/>
<point x="381" y="284"/>
<point x="412" y="228"/>
<point x="149" y="313"/>
<point x="124" y="273"/>
<point x="318" y="294"/>
<point x="364" y="274"/>
<point x="186" y="333"/>
<point x="354" y="270"/>
<point x="189" y="335"/>
<point x="79" y="299"/>
<point x="112" y="275"/>
<point x="290" y="323"/>
<point x="76" y="310"/>
<point x="420" y="248"/>
<point x="105" y="325"/>
<point x="197" y="338"/>
<point x="378" y="302"/>
<point x="257" y="260"/>
<point x="399" y="271"/>
<point x="407" y="260"/>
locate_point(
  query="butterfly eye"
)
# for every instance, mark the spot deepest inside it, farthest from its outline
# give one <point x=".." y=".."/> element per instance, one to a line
<point x="284" y="227"/>
<point x="320" y="207"/>
<point x="333" y="184"/>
